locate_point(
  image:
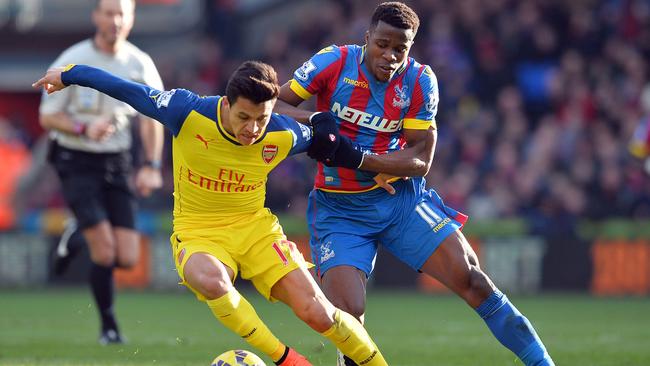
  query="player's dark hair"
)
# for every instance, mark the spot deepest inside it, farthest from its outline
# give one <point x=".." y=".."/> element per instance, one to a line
<point x="397" y="14"/>
<point x="255" y="81"/>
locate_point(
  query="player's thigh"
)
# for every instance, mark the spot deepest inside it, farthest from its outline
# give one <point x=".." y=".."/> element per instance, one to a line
<point x="186" y="246"/>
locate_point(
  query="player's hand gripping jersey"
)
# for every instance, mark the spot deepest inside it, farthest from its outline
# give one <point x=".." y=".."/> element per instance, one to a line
<point x="370" y="112"/>
<point x="215" y="177"/>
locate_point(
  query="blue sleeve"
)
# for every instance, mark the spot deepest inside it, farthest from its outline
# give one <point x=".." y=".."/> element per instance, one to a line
<point x="424" y="106"/>
<point x="301" y="133"/>
<point x="314" y="75"/>
<point x="170" y="107"/>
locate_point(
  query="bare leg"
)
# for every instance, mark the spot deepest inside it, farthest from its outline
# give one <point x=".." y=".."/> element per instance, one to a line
<point x="127" y="243"/>
<point x="299" y="290"/>
<point x="345" y="287"/>
<point x="213" y="280"/>
<point x="102" y="247"/>
<point x="456" y="266"/>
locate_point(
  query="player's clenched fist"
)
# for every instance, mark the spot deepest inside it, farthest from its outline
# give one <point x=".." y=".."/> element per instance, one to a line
<point x="326" y="136"/>
<point x="51" y="82"/>
<point x="347" y="155"/>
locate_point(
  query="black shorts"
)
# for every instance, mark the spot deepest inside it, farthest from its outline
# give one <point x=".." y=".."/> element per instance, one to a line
<point x="96" y="186"/>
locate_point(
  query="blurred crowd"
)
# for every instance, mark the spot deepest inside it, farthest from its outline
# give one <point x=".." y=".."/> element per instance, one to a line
<point x="539" y="98"/>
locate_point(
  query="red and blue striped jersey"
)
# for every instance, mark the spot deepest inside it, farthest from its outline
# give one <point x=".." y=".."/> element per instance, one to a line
<point x="372" y="113"/>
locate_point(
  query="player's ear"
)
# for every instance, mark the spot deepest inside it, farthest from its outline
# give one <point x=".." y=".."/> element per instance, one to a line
<point x="366" y="36"/>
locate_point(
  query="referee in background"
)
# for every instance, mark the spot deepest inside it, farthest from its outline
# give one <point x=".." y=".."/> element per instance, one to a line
<point x="90" y="150"/>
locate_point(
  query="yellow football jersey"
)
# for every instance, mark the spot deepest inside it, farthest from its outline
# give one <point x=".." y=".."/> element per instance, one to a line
<point x="218" y="181"/>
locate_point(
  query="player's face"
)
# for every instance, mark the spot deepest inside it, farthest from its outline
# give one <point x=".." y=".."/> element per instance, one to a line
<point x="387" y="49"/>
<point x="114" y="20"/>
<point x="247" y="120"/>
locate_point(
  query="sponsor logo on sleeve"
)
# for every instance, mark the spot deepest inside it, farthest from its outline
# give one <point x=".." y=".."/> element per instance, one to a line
<point x="431" y="104"/>
<point x="306" y="131"/>
<point x="162" y="99"/>
<point x="303" y="72"/>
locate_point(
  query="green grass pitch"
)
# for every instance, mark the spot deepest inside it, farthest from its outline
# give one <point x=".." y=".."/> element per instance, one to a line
<point x="59" y="327"/>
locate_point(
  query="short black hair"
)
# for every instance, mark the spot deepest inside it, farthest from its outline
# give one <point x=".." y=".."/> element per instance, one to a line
<point x="255" y="81"/>
<point x="397" y="14"/>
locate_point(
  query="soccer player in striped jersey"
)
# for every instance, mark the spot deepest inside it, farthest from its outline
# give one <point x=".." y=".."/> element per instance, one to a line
<point x="223" y="150"/>
<point x="386" y="102"/>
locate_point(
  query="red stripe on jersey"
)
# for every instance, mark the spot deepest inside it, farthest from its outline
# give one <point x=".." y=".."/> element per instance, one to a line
<point x="331" y="74"/>
<point x="358" y="100"/>
<point x="462" y="218"/>
<point x="320" y="177"/>
<point x="283" y="257"/>
<point x="391" y="112"/>
<point x="418" y="98"/>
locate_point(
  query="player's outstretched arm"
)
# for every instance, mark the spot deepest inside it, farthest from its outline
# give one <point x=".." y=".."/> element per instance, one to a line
<point x="51" y="81"/>
<point x="142" y="98"/>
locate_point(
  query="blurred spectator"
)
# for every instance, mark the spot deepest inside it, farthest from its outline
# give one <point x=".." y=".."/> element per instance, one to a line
<point x="15" y="160"/>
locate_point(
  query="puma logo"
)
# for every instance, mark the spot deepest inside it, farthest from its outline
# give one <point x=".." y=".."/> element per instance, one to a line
<point x="203" y="140"/>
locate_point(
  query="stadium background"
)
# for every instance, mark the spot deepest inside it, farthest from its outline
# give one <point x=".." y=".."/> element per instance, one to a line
<point x="539" y="100"/>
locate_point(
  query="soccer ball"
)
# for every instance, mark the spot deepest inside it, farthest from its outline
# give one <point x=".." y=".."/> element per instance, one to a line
<point x="238" y="357"/>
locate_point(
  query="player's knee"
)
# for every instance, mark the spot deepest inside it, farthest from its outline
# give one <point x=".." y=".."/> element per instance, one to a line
<point x="211" y="287"/>
<point x="127" y="263"/>
<point x="355" y="307"/>
<point x="479" y="285"/>
<point x="127" y="259"/>
<point x="103" y="257"/>
<point x="314" y="313"/>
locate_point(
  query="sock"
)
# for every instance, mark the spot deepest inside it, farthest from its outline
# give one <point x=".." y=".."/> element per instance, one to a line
<point x="513" y="330"/>
<point x="282" y="357"/>
<point x="238" y="315"/>
<point x="351" y="338"/>
<point x="101" y="284"/>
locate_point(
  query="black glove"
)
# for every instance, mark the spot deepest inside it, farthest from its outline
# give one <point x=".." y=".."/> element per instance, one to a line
<point x="346" y="156"/>
<point x="326" y="136"/>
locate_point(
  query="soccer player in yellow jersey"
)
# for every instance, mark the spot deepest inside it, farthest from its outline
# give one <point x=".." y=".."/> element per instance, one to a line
<point x="223" y="150"/>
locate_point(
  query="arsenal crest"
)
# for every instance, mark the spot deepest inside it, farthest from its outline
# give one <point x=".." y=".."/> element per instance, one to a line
<point x="269" y="152"/>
